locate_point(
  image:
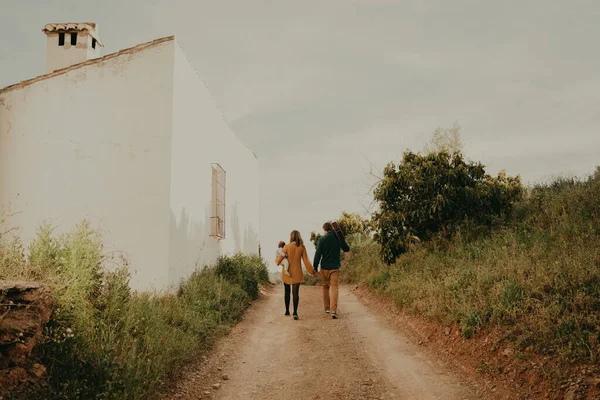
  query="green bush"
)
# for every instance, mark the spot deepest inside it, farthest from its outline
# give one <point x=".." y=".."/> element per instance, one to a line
<point x="246" y="271"/>
<point x="105" y="342"/>
<point x="536" y="278"/>
<point x="426" y="195"/>
<point x="365" y="259"/>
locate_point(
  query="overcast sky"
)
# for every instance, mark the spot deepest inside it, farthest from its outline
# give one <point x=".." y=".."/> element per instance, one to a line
<point x="317" y="88"/>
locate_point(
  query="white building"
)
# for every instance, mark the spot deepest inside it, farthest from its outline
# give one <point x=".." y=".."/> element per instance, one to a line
<point x="134" y="142"/>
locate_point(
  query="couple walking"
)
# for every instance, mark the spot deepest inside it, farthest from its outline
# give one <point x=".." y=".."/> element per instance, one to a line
<point x="327" y="254"/>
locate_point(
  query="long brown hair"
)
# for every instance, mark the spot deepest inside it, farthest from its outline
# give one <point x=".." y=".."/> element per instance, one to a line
<point x="296" y="238"/>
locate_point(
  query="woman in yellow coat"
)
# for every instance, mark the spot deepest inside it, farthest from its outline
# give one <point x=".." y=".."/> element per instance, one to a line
<point x="295" y="252"/>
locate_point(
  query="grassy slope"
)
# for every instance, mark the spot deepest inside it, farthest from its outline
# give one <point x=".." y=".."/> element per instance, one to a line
<point x="537" y="280"/>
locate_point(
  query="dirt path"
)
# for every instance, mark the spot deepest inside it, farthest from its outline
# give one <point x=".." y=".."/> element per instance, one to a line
<point x="358" y="356"/>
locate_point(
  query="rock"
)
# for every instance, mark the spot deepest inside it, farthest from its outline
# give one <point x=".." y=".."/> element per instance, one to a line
<point x="216" y="386"/>
<point x="17" y="351"/>
<point x="596" y="383"/>
<point x="207" y="392"/>
<point x="534" y="380"/>
<point x="219" y="369"/>
<point x="225" y="377"/>
<point x="38" y="370"/>
<point x="25" y="308"/>
<point x="570" y="394"/>
<point x="508" y="352"/>
<point x="447" y="330"/>
<point x="19" y="286"/>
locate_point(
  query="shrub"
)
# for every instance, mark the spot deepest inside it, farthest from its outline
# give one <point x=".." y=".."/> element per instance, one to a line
<point x="104" y="341"/>
<point x="428" y="194"/>
<point x="246" y="271"/>
<point x="536" y="279"/>
<point x="364" y="262"/>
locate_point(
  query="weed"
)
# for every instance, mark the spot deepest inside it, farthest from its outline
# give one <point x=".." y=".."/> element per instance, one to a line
<point x="535" y="277"/>
<point x="104" y="341"/>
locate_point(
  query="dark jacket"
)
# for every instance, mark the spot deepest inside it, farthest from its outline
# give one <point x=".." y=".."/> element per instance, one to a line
<point x="328" y="252"/>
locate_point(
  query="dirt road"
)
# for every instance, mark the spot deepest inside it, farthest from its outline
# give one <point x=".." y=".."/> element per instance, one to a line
<point x="357" y="356"/>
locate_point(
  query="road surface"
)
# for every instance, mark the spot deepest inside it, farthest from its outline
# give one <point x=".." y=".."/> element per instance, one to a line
<point x="357" y="356"/>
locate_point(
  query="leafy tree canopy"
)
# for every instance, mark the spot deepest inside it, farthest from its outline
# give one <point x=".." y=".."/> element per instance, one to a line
<point x="428" y="194"/>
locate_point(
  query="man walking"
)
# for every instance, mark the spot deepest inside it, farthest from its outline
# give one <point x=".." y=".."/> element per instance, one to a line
<point x="328" y="255"/>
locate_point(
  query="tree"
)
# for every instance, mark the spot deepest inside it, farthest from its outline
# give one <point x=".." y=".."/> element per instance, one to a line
<point x="426" y="195"/>
<point x="445" y="140"/>
<point x="350" y="223"/>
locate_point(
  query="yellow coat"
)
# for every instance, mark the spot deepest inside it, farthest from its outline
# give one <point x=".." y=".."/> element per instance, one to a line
<point x="296" y="255"/>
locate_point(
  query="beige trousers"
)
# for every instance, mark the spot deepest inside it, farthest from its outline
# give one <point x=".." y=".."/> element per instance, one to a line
<point x="331" y="281"/>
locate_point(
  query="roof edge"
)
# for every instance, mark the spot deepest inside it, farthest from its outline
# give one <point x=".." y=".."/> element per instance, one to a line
<point x="130" y="50"/>
<point x="89" y="27"/>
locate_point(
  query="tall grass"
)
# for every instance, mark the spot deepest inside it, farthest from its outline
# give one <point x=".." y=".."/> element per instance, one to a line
<point x="105" y="341"/>
<point x="311" y="280"/>
<point x="537" y="279"/>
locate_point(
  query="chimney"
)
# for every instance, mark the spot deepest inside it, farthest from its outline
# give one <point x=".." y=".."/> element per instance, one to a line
<point x="71" y="43"/>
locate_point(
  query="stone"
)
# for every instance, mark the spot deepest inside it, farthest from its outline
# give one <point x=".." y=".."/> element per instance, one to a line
<point x="225" y="377"/>
<point x="216" y="386"/>
<point x="571" y="393"/>
<point x="18" y="351"/>
<point x="38" y="370"/>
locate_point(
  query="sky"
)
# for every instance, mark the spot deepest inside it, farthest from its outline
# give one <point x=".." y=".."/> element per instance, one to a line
<point x="323" y="91"/>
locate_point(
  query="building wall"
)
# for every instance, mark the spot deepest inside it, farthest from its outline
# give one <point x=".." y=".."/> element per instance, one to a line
<point x="201" y="137"/>
<point x="95" y="143"/>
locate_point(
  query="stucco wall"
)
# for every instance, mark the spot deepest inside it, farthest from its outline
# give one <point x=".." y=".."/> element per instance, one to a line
<point x="95" y="143"/>
<point x="201" y="136"/>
